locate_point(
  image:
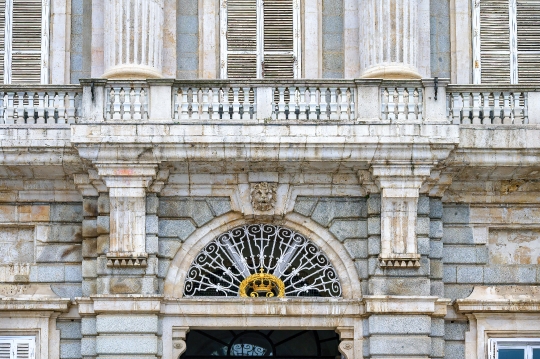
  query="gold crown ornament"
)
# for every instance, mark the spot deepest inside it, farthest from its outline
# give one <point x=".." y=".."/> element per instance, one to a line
<point x="262" y="285"/>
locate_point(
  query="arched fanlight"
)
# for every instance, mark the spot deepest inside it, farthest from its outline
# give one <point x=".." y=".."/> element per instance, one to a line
<point x="262" y="260"/>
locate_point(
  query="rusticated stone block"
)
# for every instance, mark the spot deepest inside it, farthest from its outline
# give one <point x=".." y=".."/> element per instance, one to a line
<point x="66" y="212"/>
<point x="399" y="324"/>
<point x="349" y="229"/>
<point x="180" y="228"/>
<point x="219" y="206"/>
<point x="305" y="205"/>
<point x="134" y="324"/>
<point x="125" y="285"/>
<point x="69" y="329"/>
<point x="53" y="253"/>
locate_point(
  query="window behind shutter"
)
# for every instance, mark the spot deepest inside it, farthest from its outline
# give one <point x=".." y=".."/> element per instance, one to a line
<point x="26" y="43"/>
<point x="241" y="37"/>
<point x="495" y="41"/>
<point x="279" y="60"/>
<point x="528" y="41"/>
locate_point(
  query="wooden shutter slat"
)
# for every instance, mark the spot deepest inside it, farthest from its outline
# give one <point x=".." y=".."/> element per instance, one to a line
<point x="528" y="41"/>
<point x="241" y="38"/>
<point x="495" y="41"/>
<point x="5" y="349"/>
<point x="278" y="37"/>
<point x="26" y="68"/>
<point x="242" y="66"/>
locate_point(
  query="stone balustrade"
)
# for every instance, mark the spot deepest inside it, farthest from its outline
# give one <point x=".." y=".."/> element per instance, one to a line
<point x="264" y="101"/>
<point x="490" y="105"/>
<point x="40" y="104"/>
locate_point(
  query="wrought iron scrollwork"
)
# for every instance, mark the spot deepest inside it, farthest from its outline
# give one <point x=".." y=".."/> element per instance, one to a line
<point x="220" y="268"/>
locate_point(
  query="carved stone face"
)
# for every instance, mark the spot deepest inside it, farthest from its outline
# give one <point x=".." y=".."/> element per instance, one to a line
<point x="263" y="196"/>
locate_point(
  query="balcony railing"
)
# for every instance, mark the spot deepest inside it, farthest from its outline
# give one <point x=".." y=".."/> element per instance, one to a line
<point x="488" y="105"/>
<point x="265" y="101"/>
<point x="37" y="104"/>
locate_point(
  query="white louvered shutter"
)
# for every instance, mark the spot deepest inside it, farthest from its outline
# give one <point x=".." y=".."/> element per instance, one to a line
<point x="2" y="40"/>
<point x="17" y="347"/>
<point x="24" y="33"/>
<point x="5" y="349"/>
<point x="259" y="38"/>
<point x="492" y="349"/>
<point x="528" y="41"/>
<point x="278" y="56"/>
<point x="241" y="39"/>
<point x="494" y="37"/>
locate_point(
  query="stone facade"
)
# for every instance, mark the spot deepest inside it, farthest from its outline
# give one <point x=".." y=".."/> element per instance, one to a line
<point x="420" y="188"/>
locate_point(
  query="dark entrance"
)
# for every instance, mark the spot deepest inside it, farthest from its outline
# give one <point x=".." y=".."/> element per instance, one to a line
<point x="277" y="344"/>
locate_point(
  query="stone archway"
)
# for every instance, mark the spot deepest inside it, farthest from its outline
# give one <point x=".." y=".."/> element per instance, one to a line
<point x="328" y="244"/>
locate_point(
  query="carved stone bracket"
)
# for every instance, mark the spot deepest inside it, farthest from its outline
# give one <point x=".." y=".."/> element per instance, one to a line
<point x="179" y="341"/>
<point x="400" y="184"/>
<point x="346" y="345"/>
<point x="127" y="192"/>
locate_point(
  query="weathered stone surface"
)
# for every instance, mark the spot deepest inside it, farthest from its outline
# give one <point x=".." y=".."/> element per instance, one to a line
<point x="455" y="330"/>
<point x="70" y="291"/>
<point x="456" y="214"/>
<point x="374" y="204"/>
<point x="123" y="324"/>
<point x="125" y="345"/>
<point x="180" y="228"/>
<point x="103" y="225"/>
<point x="70" y="349"/>
<point x="182" y="208"/>
<point x="423" y="206"/>
<point x="168" y="247"/>
<point x="69" y="329"/>
<point x="330" y="208"/>
<point x="66" y="212"/>
<point x="16" y="245"/>
<point x="53" y="253"/>
<point x="465" y="254"/>
<point x="305" y="205"/>
<point x="435" y="208"/>
<point x="454" y="350"/>
<point x="399" y="324"/>
<point x="219" y="206"/>
<point x="399" y="345"/>
<point x="125" y="285"/>
<point x="88" y="346"/>
<point x="357" y="248"/>
<point x="458" y="235"/>
<point x="435" y="229"/>
<point x="349" y="229"/>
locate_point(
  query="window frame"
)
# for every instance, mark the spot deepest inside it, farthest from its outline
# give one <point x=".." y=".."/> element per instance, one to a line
<point x="528" y="344"/>
<point x="8" y="37"/>
<point x="260" y="39"/>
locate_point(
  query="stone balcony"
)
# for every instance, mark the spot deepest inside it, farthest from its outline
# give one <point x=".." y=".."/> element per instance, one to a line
<point x="265" y="102"/>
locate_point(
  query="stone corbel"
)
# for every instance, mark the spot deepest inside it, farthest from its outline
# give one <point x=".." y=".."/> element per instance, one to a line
<point x="179" y="341"/>
<point x="399" y="185"/>
<point x="127" y="185"/>
<point x="346" y="344"/>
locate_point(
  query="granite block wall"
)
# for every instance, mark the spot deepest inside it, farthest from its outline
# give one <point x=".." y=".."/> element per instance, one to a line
<point x="174" y="220"/>
<point x="440" y="38"/>
<point x="332" y="39"/>
<point x="187" y="40"/>
<point x="80" y="52"/>
<point x="347" y="219"/>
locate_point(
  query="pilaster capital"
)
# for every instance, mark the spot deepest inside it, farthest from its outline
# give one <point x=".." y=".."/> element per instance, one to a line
<point x="127" y="175"/>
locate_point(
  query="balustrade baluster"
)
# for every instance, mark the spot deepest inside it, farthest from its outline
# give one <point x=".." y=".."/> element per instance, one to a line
<point x="507" y="111"/>
<point x="476" y="108"/>
<point x="486" y="108"/>
<point x="302" y="103"/>
<point x="333" y="115"/>
<point x="216" y="100"/>
<point x="518" y="114"/>
<point x="497" y="110"/>
<point x="10" y="109"/>
<point x="59" y="106"/>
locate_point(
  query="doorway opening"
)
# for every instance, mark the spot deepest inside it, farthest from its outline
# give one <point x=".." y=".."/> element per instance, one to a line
<point x="277" y="344"/>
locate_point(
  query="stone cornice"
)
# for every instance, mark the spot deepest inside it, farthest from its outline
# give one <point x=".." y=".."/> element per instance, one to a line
<point x="267" y="307"/>
<point x="382" y="304"/>
<point x="507" y="299"/>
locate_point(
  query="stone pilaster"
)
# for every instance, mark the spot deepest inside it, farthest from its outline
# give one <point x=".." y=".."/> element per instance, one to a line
<point x="390" y="40"/>
<point x="133" y="43"/>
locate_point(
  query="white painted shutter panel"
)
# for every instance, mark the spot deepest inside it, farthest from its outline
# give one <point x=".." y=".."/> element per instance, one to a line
<point x="5" y="349"/>
<point x="492" y="349"/>
<point x="26" y="44"/>
<point x="2" y="39"/>
<point x="495" y="41"/>
<point x="528" y="41"/>
<point x="24" y="349"/>
<point x="241" y="38"/>
<point x="279" y="59"/>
